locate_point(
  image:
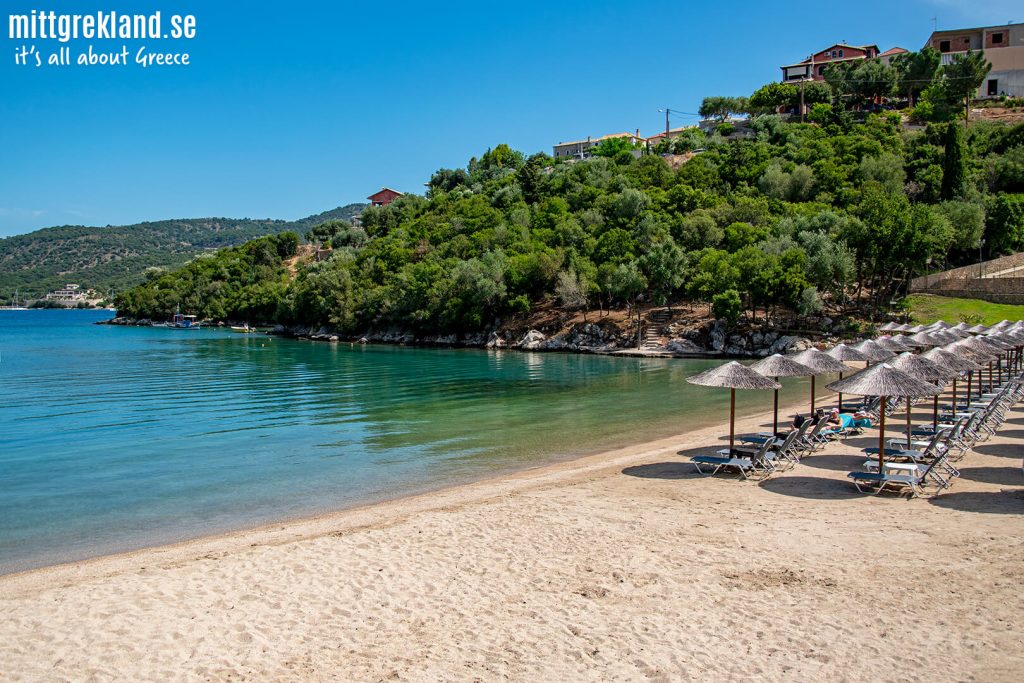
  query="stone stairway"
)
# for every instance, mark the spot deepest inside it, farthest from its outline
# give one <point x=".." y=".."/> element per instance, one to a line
<point x="654" y="326"/>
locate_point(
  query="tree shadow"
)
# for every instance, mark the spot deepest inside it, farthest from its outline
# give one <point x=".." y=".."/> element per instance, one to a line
<point x="1006" y="476"/>
<point x="1007" y="501"/>
<point x="1000" y="450"/>
<point x="814" y="488"/>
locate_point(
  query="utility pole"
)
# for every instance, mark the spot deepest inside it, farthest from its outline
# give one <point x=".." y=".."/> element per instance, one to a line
<point x="667" y="111"/>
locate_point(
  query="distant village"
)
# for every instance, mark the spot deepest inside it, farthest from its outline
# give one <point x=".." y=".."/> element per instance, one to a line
<point x="1002" y="46"/>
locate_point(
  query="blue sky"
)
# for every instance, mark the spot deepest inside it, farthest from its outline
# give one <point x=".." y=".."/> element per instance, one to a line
<point x="291" y="108"/>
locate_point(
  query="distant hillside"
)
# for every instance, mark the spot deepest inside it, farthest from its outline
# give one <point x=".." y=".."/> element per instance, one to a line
<point x="117" y="257"/>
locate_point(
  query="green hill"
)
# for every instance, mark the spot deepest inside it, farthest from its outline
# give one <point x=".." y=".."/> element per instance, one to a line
<point x="117" y="257"/>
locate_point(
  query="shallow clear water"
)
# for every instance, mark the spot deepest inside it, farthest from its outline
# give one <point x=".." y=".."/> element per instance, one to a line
<point x="114" y="438"/>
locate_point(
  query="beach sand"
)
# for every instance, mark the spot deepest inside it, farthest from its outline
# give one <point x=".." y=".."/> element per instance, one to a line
<point x="623" y="566"/>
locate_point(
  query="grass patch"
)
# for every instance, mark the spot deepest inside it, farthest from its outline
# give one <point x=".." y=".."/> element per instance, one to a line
<point x="927" y="308"/>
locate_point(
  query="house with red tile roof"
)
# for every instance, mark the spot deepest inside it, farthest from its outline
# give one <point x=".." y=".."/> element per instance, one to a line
<point x="384" y="196"/>
<point x="813" y="68"/>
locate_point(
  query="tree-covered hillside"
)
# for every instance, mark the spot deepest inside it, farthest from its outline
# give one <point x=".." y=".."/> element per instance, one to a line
<point x="839" y="214"/>
<point x="116" y="258"/>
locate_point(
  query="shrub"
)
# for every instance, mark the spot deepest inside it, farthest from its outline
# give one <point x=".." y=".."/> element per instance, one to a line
<point x="727" y="305"/>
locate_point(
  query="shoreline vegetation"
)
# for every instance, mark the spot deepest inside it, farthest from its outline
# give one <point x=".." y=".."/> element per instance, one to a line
<point x="777" y="226"/>
<point x="605" y="562"/>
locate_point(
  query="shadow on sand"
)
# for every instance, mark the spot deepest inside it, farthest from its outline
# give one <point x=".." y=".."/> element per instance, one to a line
<point x="663" y="470"/>
<point x="1005" y="476"/>
<point x="1005" y="502"/>
<point x="815" y="488"/>
<point x="834" y="462"/>
<point x="1000" y="450"/>
<point x="679" y="469"/>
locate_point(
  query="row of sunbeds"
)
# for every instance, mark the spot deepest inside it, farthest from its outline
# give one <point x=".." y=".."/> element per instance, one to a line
<point x="926" y="464"/>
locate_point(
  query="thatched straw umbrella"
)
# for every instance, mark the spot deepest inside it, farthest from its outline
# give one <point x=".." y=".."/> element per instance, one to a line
<point x="884" y="381"/>
<point x="925" y="370"/>
<point x="820" y="363"/>
<point x="901" y="328"/>
<point x="927" y="339"/>
<point x="957" y="364"/>
<point x="940" y="325"/>
<point x="734" y="376"/>
<point x="892" y="344"/>
<point x="887" y="327"/>
<point x="979" y="353"/>
<point x="845" y="354"/>
<point x="978" y="329"/>
<point x="873" y="350"/>
<point x="776" y="366"/>
<point x="909" y="341"/>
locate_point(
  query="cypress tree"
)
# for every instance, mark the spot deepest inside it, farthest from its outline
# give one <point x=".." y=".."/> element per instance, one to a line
<point x="954" y="169"/>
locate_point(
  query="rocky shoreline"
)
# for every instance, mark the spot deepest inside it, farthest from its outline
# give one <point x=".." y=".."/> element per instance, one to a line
<point x="713" y="339"/>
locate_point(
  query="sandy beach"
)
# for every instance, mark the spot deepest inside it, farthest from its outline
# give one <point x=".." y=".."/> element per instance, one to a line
<point x="622" y="566"/>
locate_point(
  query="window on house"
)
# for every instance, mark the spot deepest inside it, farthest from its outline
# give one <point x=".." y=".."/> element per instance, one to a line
<point x="840" y="53"/>
<point x="997" y="38"/>
<point x="993" y="86"/>
<point x="944" y="46"/>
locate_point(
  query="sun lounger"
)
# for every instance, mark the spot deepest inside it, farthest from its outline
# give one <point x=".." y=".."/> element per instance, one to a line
<point x="875" y="482"/>
<point x="747" y="463"/>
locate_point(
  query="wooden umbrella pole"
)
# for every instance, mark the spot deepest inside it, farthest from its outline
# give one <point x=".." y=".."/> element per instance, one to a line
<point x="908" y="423"/>
<point x="881" y="436"/>
<point x="954" y="399"/>
<point x="775" y="420"/>
<point x="840" y="394"/>
<point x="935" y="414"/>
<point x="732" y="418"/>
<point x="970" y="376"/>
<point x="812" y="395"/>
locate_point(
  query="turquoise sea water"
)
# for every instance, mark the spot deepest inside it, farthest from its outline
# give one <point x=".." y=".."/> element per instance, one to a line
<point x="116" y="438"/>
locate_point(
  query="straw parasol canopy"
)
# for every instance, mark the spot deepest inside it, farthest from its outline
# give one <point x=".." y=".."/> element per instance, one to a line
<point x="978" y="329"/>
<point x="908" y="340"/>
<point x="873" y="350"/>
<point x="884" y="381"/>
<point x="820" y="363"/>
<point x="892" y="344"/>
<point x="927" y="338"/>
<point x="960" y="326"/>
<point x="956" y="363"/>
<point x="901" y="328"/>
<point x="846" y="354"/>
<point x="927" y="370"/>
<point x="940" y="325"/>
<point x="777" y="365"/>
<point x="887" y="327"/>
<point x="734" y="376"/>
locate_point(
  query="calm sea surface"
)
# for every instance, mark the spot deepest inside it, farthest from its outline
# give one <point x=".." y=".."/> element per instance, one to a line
<point x="115" y="438"/>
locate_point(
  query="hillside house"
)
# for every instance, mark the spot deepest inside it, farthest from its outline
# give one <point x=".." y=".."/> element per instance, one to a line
<point x="384" y="196"/>
<point x="580" y="149"/>
<point x="71" y="293"/>
<point x="813" y="68"/>
<point x="1003" y="47"/>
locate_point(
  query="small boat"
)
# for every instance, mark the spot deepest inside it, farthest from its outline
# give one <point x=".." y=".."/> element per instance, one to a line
<point x="244" y="329"/>
<point x="183" y="322"/>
